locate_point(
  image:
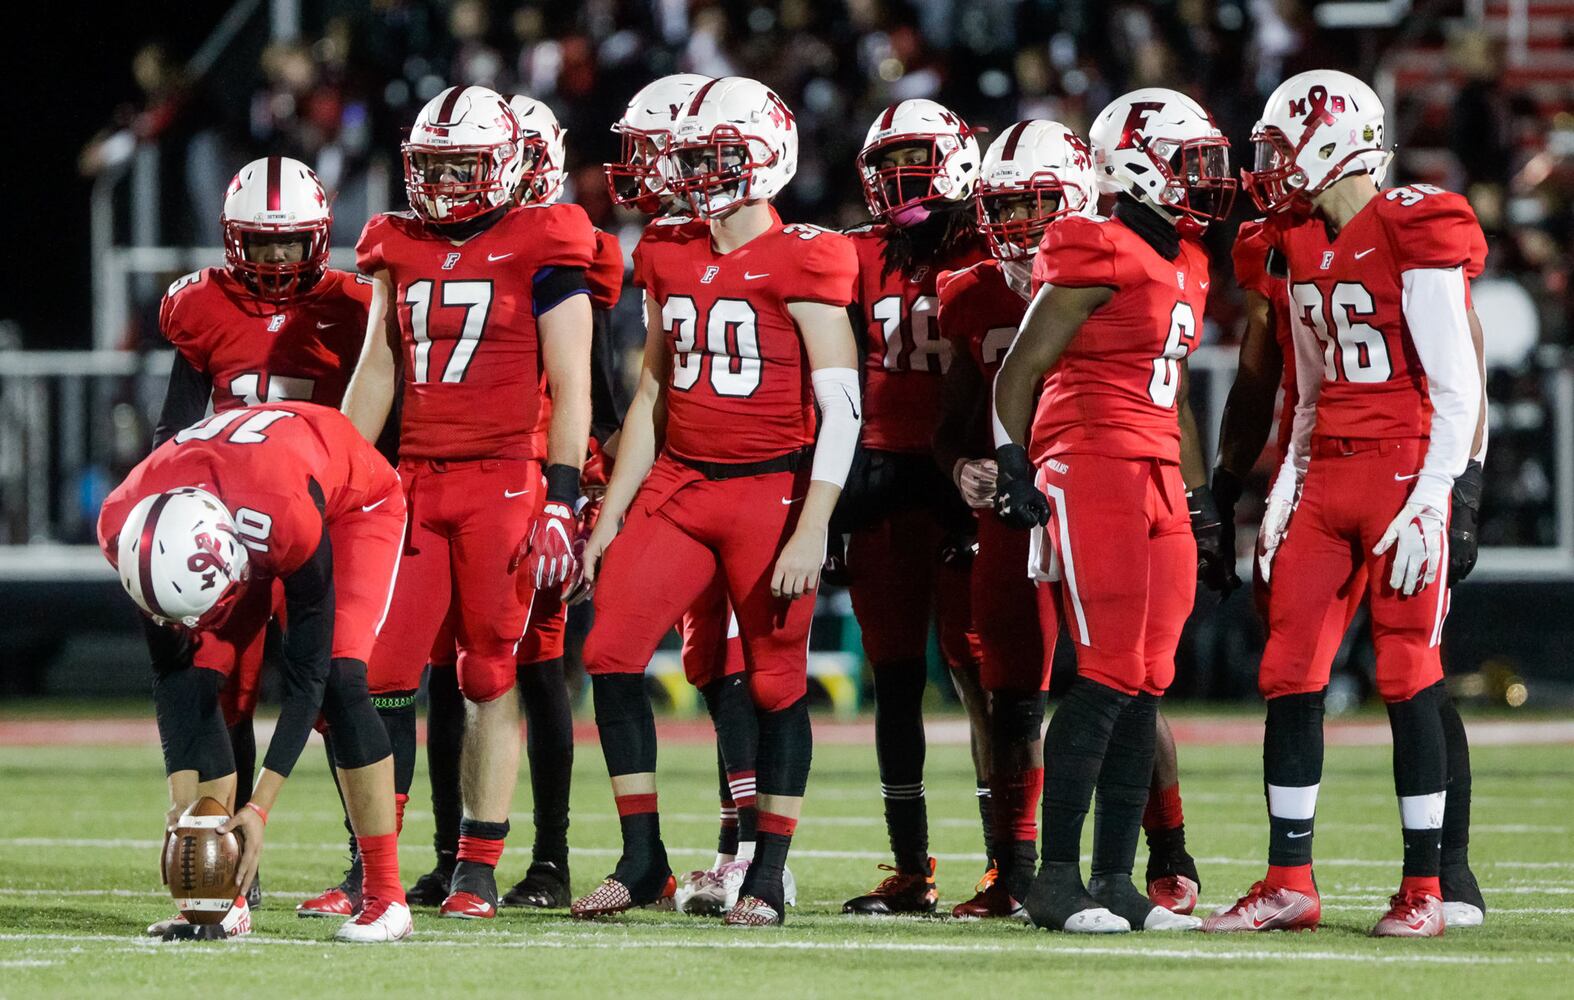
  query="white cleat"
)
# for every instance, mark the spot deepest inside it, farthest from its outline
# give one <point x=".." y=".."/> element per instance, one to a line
<point x="378" y="921"/>
<point x="1096" y="920"/>
<point x="1462" y="915"/>
<point x="1161" y="919"/>
<point x="714" y="893"/>
<point x="789" y="887"/>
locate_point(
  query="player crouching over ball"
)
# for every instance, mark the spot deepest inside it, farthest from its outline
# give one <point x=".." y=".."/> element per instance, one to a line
<point x="287" y="492"/>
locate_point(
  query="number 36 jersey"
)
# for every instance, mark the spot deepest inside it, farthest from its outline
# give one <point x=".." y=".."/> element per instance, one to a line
<point x="1114" y="390"/>
<point x="467" y="322"/>
<point x="740" y="389"/>
<point x="1347" y="305"/>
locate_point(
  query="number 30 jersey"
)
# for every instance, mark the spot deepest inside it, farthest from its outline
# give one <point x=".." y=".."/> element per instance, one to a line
<point x="1347" y="305"/>
<point x="467" y="322"/>
<point x="1113" y="392"/>
<point x="740" y="389"/>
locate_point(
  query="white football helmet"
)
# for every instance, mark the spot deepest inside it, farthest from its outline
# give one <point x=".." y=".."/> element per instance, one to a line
<point x="635" y="181"/>
<point x="1318" y="126"/>
<point x="904" y="193"/>
<point x="181" y="559"/>
<point x="462" y="158"/>
<point x="1035" y="173"/>
<point x="270" y="196"/>
<point x="542" y="152"/>
<point x="736" y="142"/>
<point x="1162" y="147"/>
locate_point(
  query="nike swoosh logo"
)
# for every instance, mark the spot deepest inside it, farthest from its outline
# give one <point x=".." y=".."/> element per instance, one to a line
<point x="1399" y="479"/>
<point x="324" y="326"/>
<point x="1363" y="253"/>
<point x="492" y="259"/>
<point x="787" y="503"/>
<point x="755" y="277"/>
<point x="511" y="494"/>
<point x="371" y="507"/>
<point x="1298" y="836"/>
<point x="1202" y="285"/>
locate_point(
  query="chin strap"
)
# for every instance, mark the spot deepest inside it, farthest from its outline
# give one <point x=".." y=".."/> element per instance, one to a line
<point x="1144" y="220"/>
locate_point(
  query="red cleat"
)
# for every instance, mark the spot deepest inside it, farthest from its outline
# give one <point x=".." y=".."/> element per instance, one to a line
<point x="1175" y="893"/>
<point x="333" y="902"/>
<point x="612" y="897"/>
<point x="1411" y="914"/>
<point x="990" y="901"/>
<point x="466" y="906"/>
<point x="1265" y="909"/>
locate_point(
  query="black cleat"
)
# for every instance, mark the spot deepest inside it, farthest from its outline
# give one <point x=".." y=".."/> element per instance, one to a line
<point x="900" y="892"/>
<point x="544" y="887"/>
<point x="432" y="888"/>
<point x="1058" y="901"/>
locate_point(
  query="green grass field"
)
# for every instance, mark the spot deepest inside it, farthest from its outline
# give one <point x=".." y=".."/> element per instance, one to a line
<point x="79" y="836"/>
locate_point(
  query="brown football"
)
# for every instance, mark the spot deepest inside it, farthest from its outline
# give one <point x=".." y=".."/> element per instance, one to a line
<point x="200" y="863"/>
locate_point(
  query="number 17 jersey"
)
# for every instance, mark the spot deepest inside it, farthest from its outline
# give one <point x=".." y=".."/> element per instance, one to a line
<point x="740" y="389"/>
<point x="467" y="325"/>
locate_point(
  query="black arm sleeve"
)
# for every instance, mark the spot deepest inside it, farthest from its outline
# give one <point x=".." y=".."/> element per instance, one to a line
<point x="185" y="401"/>
<point x="552" y="285"/>
<point x="308" y="648"/>
<point x="607" y="405"/>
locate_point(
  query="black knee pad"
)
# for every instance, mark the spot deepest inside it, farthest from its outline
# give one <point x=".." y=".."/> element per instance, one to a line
<point x="191" y="723"/>
<point x="786" y="750"/>
<point x="1293" y="740"/>
<point x="1420" y="746"/>
<point x="359" y="738"/>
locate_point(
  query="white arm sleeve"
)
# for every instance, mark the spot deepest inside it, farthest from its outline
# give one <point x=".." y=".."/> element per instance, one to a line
<point x="1308" y="387"/>
<point x="1434" y="308"/>
<point x="837" y="393"/>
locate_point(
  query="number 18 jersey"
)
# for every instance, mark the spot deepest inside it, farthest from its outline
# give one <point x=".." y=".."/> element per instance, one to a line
<point x="1114" y="390"/>
<point x="467" y="321"/>
<point x="740" y="389"/>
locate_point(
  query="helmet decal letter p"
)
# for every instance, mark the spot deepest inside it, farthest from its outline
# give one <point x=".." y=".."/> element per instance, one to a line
<point x="1136" y="118"/>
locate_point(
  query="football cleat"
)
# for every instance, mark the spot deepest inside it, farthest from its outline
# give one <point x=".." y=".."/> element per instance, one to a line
<point x="236" y="923"/>
<point x="1161" y="919"/>
<point x="1175" y="893"/>
<point x="1411" y="914"/>
<point x="705" y="893"/>
<point x="752" y="911"/>
<point x="612" y="896"/>
<point x="162" y="927"/>
<point x="1096" y="920"/>
<point x="1463" y="905"/>
<point x="900" y="892"/>
<point x="379" y="920"/>
<point x="990" y="899"/>
<point x="1457" y="914"/>
<point x="335" y="902"/>
<point x="432" y="888"/>
<point x="1265" y="909"/>
<point x="464" y="905"/>
<point x="544" y="887"/>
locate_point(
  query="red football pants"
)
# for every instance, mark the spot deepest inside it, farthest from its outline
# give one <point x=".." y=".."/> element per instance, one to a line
<point x="466" y="522"/>
<point x="1335" y="623"/>
<point x="898" y="583"/>
<point x="1128" y="565"/>
<point x="1016" y="622"/>
<point x="1352" y="491"/>
<point x="682" y="532"/>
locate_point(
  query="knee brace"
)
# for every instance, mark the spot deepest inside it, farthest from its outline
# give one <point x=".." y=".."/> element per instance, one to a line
<point x="786" y="750"/>
<point x="190" y="724"/>
<point x="359" y="738"/>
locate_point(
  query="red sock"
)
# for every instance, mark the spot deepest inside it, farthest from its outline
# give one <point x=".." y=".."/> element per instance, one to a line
<point x="1296" y="877"/>
<point x="634" y="805"/>
<point x="1428" y="884"/>
<point x="400" y="801"/>
<point x="380" y="867"/>
<point x="479" y="849"/>
<point x="1164" y="809"/>
<point x="1028" y="791"/>
<point x="782" y="826"/>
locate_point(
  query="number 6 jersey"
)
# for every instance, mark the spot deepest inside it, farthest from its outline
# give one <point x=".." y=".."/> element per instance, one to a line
<point x="1113" y="392"/>
<point x="467" y="312"/>
<point x="740" y="389"/>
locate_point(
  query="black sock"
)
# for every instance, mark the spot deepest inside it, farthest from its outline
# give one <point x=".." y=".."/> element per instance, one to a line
<point x="627" y="727"/>
<point x="1292" y="760"/>
<point x="786" y="754"/>
<point x="1016" y="724"/>
<point x="737" y="726"/>
<point x="243" y="742"/>
<point x="344" y="806"/>
<point x="1123" y="783"/>
<point x="1167" y="855"/>
<point x="549" y="745"/>
<point x="986" y="815"/>
<point x="1456" y="813"/>
<point x="899" y="747"/>
<point x="397" y="710"/>
<point x="727" y="838"/>
<point x="1074" y="749"/>
<point x="445" y="733"/>
<point x="1420" y="778"/>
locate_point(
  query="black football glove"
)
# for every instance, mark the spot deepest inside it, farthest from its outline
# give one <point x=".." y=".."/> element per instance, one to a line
<point x="1215" y="559"/>
<point x="1463" y="521"/>
<point x="1227" y="487"/>
<point x="834" y="573"/>
<point x="1017" y="500"/>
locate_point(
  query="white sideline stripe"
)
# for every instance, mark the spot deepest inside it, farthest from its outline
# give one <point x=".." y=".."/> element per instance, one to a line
<point x="27" y="963"/>
<point x="724" y="939"/>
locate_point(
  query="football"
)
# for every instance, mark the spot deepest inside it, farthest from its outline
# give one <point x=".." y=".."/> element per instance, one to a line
<point x="200" y="863"/>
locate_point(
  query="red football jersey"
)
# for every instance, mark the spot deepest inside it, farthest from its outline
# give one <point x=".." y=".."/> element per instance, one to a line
<point x="980" y="314"/>
<point x="1113" y="392"/>
<point x="257" y="351"/>
<point x="1347" y="295"/>
<point x="1250" y="257"/>
<point x="261" y="461"/>
<point x="605" y="278"/>
<point x="472" y="360"/>
<point x="740" y="387"/>
<point x="907" y="355"/>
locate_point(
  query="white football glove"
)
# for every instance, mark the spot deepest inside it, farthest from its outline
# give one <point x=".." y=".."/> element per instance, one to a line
<point x="1416" y="536"/>
<point x="1270" y="535"/>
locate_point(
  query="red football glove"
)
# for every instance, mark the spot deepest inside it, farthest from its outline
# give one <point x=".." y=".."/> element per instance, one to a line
<point x="547" y="553"/>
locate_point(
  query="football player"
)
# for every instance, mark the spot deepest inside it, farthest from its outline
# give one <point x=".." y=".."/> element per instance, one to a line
<point x="1116" y="308"/>
<point x="910" y="537"/>
<point x="284" y="492"/>
<point x="275" y="323"/>
<point x="1389" y="412"/>
<point x="720" y="472"/>
<point x="487" y="298"/>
